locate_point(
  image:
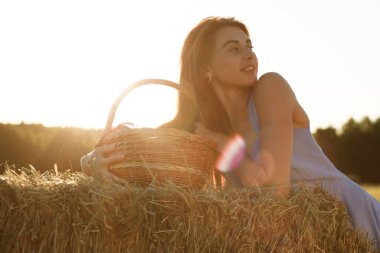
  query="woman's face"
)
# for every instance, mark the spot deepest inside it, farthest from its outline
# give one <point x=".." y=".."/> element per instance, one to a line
<point x="233" y="63"/>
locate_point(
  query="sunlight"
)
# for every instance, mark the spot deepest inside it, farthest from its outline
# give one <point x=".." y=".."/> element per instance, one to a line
<point x="148" y="106"/>
<point x="66" y="72"/>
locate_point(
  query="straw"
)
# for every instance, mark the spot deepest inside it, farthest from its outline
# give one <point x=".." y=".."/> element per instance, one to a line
<point x="71" y="212"/>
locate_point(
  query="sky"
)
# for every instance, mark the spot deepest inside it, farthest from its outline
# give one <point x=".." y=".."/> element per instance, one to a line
<point x="63" y="63"/>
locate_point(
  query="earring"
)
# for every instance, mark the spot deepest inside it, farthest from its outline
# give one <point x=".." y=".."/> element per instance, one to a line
<point x="209" y="77"/>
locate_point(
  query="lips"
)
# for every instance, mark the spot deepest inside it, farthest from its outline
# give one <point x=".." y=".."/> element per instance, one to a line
<point x="248" y="68"/>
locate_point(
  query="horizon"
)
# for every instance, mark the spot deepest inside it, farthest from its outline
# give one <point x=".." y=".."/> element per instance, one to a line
<point x="338" y="129"/>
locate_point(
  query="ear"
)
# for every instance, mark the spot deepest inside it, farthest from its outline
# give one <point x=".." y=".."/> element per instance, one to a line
<point x="208" y="75"/>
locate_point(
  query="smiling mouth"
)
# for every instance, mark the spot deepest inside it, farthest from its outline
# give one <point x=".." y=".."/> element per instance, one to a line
<point x="249" y="68"/>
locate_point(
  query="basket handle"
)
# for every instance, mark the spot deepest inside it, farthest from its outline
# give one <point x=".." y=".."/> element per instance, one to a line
<point x="164" y="82"/>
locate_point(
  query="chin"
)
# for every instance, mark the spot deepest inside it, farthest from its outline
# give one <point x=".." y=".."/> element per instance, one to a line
<point x="242" y="82"/>
<point x="252" y="81"/>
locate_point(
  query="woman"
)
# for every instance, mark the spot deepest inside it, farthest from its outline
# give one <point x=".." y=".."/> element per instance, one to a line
<point x="220" y="68"/>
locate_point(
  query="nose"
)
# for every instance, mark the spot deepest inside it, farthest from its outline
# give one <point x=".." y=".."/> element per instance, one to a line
<point x="249" y="54"/>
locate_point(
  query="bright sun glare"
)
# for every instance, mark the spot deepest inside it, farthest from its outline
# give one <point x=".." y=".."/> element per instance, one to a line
<point x="148" y="106"/>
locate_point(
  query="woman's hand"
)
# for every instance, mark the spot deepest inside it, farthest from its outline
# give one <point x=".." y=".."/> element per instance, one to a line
<point x="219" y="138"/>
<point x="96" y="162"/>
<point x="253" y="173"/>
<point x="250" y="171"/>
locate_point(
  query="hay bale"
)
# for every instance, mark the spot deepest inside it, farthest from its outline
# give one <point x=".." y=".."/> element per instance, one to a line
<point x="70" y="212"/>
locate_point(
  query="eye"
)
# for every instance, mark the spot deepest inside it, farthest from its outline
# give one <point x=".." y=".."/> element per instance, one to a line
<point x="234" y="49"/>
<point x="250" y="48"/>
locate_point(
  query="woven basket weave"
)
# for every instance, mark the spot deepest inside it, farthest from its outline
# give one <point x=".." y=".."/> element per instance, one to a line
<point x="160" y="154"/>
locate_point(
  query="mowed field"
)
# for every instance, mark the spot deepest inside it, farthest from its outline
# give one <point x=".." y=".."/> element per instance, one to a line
<point x="374" y="190"/>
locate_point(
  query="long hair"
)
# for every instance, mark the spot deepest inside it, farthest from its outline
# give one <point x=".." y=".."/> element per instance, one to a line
<point x="196" y="54"/>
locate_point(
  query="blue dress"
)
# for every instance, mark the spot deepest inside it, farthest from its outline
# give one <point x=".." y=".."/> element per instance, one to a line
<point x="311" y="166"/>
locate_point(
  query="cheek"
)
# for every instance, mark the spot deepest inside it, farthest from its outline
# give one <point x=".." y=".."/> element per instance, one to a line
<point x="226" y="67"/>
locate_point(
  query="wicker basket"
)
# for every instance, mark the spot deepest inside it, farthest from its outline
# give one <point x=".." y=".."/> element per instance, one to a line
<point x="160" y="154"/>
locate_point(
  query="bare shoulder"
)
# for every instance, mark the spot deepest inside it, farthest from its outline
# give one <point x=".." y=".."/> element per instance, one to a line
<point x="273" y="82"/>
<point x="275" y="101"/>
<point x="272" y="76"/>
<point x="273" y="87"/>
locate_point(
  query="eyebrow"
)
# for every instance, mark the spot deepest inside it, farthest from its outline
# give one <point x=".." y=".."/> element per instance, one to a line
<point x="248" y="41"/>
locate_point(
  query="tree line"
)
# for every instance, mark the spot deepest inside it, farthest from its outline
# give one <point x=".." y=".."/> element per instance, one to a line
<point x="43" y="147"/>
<point x="354" y="149"/>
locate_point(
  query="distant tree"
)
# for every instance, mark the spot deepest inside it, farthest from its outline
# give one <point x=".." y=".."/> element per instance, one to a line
<point x="331" y="145"/>
<point x="361" y="149"/>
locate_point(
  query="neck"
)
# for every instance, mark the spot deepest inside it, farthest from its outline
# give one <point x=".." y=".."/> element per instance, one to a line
<point x="236" y="103"/>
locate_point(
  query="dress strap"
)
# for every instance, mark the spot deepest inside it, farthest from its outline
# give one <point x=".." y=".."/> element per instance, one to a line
<point x="253" y="115"/>
<point x="254" y="119"/>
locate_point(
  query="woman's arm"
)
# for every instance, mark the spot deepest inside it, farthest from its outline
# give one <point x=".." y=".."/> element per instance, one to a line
<point x="275" y="103"/>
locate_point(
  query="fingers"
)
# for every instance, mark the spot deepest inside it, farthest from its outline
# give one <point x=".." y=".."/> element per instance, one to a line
<point x="103" y="156"/>
<point x="100" y="161"/>
<point x="104" y="149"/>
<point x="258" y="173"/>
<point x="101" y="153"/>
<point x="111" y="159"/>
<point x="256" y="178"/>
<point x="101" y="173"/>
